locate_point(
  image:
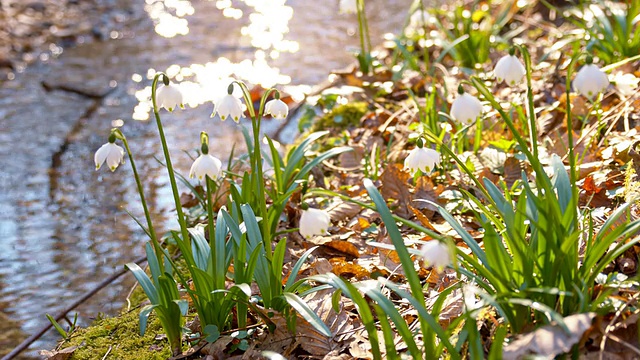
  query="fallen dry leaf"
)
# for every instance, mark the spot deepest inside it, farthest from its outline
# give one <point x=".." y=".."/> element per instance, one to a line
<point x="348" y="269"/>
<point x="344" y="247"/>
<point x="550" y="340"/>
<point x="395" y="186"/>
<point x="63" y="354"/>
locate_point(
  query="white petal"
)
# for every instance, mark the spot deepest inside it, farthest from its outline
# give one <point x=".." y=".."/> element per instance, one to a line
<point x="627" y="84"/>
<point x="348" y="6"/>
<point x="115" y="156"/>
<point x="169" y="97"/>
<point x="466" y="109"/>
<point x="436" y="254"/>
<point x="510" y="69"/>
<point x="228" y="105"/>
<point x="314" y="222"/>
<point x="423" y="159"/>
<point x="101" y="155"/>
<point x="590" y="81"/>
<point x="194" y="166"/>
<point x="277" y="108"/>
<point x="206" y="165"/>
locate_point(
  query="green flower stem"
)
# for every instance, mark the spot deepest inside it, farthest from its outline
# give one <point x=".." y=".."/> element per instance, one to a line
<point x="535" y="163"/>
<point x="211" y="228"/>
<point x="364" y="34"/>
<point x="152" y="233"/>
<point x="257" y="176"/>
<point x="172" y="178"/>
<point x="572" y="159"/>
<point x="533" y="131"/>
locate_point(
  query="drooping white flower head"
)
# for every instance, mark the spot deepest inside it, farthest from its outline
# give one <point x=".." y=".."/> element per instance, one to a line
<point x="169" y="97"/>
<point x="348" y="6"/>
<point x="228" y="105"/>
<point x="276" y="108"/>
<point x="421" y="158"/>
<point x="314" y="222"/>
<point x="205" y="164"/>
<point x="111" y="153"/>
<point x="471" y="302"/>
<point x="627" y="84"/>
<point x="590" y="80"/>
<point x="509" y="69"/>
<point x="466" y="108"/>
<point x="436" y="254"/>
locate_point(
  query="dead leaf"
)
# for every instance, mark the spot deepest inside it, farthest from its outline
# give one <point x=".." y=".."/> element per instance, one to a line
<point x="512" y="171"/>
<point x="550" y="340"/>
<point x="425" y="196"/>
<point x="424" y="220"/>
<point x="344" y="247"/>
<point x="339" y="323"/>
<point x="343" y="211"/>
<point x="348" y="269"/>
<point x="217" y="348"/>
<point x="63" y="354"/>
<point x="395" y="186"/>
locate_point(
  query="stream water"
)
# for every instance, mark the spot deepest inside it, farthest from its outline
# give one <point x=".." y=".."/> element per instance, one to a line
<point x="63" y="227"/>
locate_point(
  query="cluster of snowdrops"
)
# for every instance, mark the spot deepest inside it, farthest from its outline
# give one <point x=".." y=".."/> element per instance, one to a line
<point x="466" y="108"/>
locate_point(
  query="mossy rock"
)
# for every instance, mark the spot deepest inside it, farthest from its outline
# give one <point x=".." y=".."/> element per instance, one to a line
<point x="342" y="116"/>
<point x="120" y="336"/>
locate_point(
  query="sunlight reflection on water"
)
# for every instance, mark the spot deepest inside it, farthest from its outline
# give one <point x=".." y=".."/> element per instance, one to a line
<point x="200" y="83"/>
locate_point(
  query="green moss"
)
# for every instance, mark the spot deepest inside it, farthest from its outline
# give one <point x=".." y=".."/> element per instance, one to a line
<point x="342" y="116"/>
<point x="121" y="335"/>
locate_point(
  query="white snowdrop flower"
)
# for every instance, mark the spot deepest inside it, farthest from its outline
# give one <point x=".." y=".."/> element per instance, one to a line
<point x="169" y="97"/>
<point x="471" y="303"/>
<point x="590" y="80"/>
<point x="206" y="165"/>
<point x="228" y="105"/>
<point x="423" y="159"/>
<point x="314" y="222"/>
<point x="418" y="21"/>
<point x="111" y="153"/>
<point x="436" y="254"/>
<point x="348" y="6"/>
<point x="276" y="108"/>
<point x="466" y="108"/>
<point x="509" y="69"/>
<point x="627" y="84"/>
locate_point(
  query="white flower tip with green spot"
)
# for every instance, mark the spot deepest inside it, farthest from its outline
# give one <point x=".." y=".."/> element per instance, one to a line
<point x="110" y="153"/>
<point x="423" y="159"/>
<point x="590" y="81"/>
<point x="276" y="108"/>
<point x="228" y="105"/>
<point x="314" y="222"/>
<point x="510" y="69"/>
<point x="206" y="165"/>
<point x="466" y="109"/>
<point x="436" y="254"/>
<point x="169" y="97"/>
